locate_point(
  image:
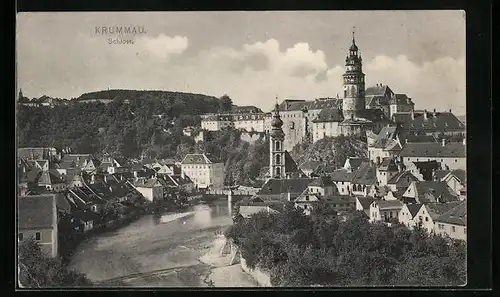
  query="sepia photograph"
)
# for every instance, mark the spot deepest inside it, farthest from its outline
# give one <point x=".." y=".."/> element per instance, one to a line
<point x="241" y="149"/>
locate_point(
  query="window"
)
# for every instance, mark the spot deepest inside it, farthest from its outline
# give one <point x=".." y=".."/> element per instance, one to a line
<point x="440" y="226"/>
<point x="426" y="219"/>
<point x="307" y="198"/>
<point x="20" y="236"/>
<point x="37" y="236"/>
<point x="420" y="218"/>
<point x="465" y="231"/>
<point x="452" y="228"/>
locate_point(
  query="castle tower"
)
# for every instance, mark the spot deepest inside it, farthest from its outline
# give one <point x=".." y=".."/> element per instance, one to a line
<point x="276" y="150"/>
<point x="354" y="83"/>
<point x="20" y="94"/>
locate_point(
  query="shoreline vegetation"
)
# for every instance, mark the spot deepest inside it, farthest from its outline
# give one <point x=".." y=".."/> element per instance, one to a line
<point x="297" y="250"/>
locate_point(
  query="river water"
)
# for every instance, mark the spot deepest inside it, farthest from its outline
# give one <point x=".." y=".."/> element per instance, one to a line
<point x="156" y="250"/>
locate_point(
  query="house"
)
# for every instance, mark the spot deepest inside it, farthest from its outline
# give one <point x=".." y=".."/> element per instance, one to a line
<point x="118" y="166"/>
<point x="364" y="177"/>
<point x="386" y="144"/>
<point x="429" y="212"/>
<point x="216" y="122"/>
<point x="385" y="210"/>
<point x="423" y="169"/>
<point x="402" y="180"/>
<point x="151" y="189"/>
<point x="341" y="203"/>
<point x="283" y="189"/>
<point x="430" y="123"/>
<point x="342" y="177"/>
<point x="37" y="219"/>
<point x="429" y="192"/>
<point x="182" y="182"/>
<point x="456" y="180"/>
<point x="86" y="221"/>
<point x="450" y="155"/>
<point x="50" y="180"/>
<point x="38" y="153"/>
<point x="322" y="186"/>
<point x="386" y="170"/>
<point x="453" y="222"/>
<point x="203" y="172"/>
<point x="363" y="204"/>
<point x="326" y="124"/>
<point x="408" y="213"/>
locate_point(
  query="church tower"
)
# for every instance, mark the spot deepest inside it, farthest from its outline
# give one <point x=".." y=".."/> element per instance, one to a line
<point x="354" y="83"/>
<point x="276" y="150"/>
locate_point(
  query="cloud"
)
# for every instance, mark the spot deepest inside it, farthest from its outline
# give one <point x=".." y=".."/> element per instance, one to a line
<point x="163" y="46"/>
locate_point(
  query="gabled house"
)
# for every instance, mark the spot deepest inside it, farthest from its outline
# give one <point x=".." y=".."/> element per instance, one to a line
<point x="386" y="144"/>
<point x="408" y="213"/>
<point x="363" y="204"/>
<point x="450" y="155"/>
<point x="283" y="189"/>
<point x="385" y="210"/>
<point x="118" y="166"/>
<point x="456" y="180"/>
<point x="151" y="189"/>
<point x="429" y="212"/>
<point x="364" y="177"/>
<point x="202" y="171"/>
<point x="37" y="219"/>
<point x="453" y="222"/>
<point x="342" y="177"/>
<point x="429" y="192"/>
<point x="309" y="167"/>
<point x="402" y="181"/>
<point x="386" y="170"/>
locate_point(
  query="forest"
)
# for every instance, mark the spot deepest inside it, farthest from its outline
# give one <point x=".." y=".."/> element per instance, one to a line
<point x="297" y="250"/>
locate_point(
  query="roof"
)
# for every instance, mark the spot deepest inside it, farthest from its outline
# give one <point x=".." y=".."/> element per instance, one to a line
<point x="378" y="90"/>
<point x="384" y="136"/>
<point x="435" y="122"/>
<point x="365" y="201"/>
<point x="355" y="162"/>
<point x="310" y="165"/>
<point x="403" y="179"/>
<point x="439" y="174"/>
<point x="401" y="99"/>
<point x="456" y="216"/>
<point x="432" y="149"/>
<point x="341" y="175"/>
<point x="388" y="164"/>
<point x="290" y="165"/>
<point x="324" y="181"/>
<point x="299" y="105"/>
<point x="413" y="208"/>
<point x="437" y="209"/>
<point x="420" y="138"/>
<point x="147" y="183"/>
<point x="339" y="199"/>
<point x="196" y="159"/>
<point x="249" y="210"/>
<point x="373" y="101"/>
<point x="365" y="174"/>
<point x="429" y="191"/>
<point x="329" y="115"/>
<point x="36" y="212"/>
<point x="388" y="204"/>
<point x="49" y="178"/>
<point x="277" y="186"/>
<point x="35" y="153"/>
<point x="460" y="174"/>
<point x="373" y="115"/>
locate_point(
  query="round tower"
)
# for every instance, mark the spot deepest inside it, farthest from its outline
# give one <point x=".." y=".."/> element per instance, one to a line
<point x="276" y="150"/>
<point x="354" y="83"/>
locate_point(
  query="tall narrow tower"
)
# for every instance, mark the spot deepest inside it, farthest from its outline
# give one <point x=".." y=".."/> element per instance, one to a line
<point x="354" y="83"/>
<point x="276" y="150"/>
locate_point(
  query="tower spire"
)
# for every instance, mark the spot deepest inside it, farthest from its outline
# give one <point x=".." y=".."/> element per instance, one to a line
<point x="353" y="38"/>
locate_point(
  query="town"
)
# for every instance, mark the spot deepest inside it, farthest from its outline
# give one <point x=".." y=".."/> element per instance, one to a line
<point x="409" y="168"/>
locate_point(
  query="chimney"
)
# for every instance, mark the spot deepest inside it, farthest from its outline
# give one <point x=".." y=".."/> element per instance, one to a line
<point x="135" y="174"/>
<point x="450" y="110"/>
<point x="425" y="114"/>
<point x="105" y="179"/>
<point x="443" y="142"/>
<point x="110" y="189"/>
<point x="92" y="179"/>
<point x="289" y="195"/>
<point x="434" y="113"/>
<point x="412" y="114"/>
<point x="406" y="140"/>
<point x="400" y="167"/>
<point x="464" y="140"/>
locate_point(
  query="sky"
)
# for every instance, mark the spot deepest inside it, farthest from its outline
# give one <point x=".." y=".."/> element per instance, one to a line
<point x="253" y="57"/>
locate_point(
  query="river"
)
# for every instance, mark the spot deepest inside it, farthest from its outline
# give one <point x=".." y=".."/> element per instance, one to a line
<point x="154" y="251"/>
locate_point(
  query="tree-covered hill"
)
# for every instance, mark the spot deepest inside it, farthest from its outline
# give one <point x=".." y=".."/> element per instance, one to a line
<point x="118" y="128"/>
<point x="330" y="150"/>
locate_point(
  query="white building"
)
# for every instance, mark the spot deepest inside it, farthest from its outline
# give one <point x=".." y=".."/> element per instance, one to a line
<point x="430" y="212"/>
<point x="203" y="172"/>
<point x="408" y="213"/>
<point x="453" y="223"/>
<point x="385" y="210"/>
<point x="451" y="155"/>
<point x="216" y="122"/>
<point x="151" y="189"/>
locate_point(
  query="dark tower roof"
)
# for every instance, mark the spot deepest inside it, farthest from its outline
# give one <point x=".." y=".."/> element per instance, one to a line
<point x="277" y="123"/>
<point x="353" y="47"/>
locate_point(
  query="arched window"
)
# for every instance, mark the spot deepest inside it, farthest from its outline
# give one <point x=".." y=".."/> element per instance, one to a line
<point x="278" y="171"/>
<point x="278" y="159"/>
<point x="277" y="145"/>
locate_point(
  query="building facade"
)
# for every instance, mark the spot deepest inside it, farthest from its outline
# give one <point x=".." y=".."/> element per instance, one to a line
<point x="202" y="171"/>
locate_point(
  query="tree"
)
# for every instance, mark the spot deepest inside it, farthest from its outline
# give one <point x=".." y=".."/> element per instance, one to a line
<point x="225" y="103"/>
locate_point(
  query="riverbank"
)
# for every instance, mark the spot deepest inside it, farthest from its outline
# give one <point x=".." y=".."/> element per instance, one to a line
<point x="222" y="272"/>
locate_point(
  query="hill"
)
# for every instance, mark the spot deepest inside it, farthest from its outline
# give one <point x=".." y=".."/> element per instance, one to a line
<point x="330" y="150"/>
<point x="119" y="129"/>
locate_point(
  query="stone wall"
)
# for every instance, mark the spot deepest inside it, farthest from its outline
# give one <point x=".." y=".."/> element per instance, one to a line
<point x="261" y="277"/>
